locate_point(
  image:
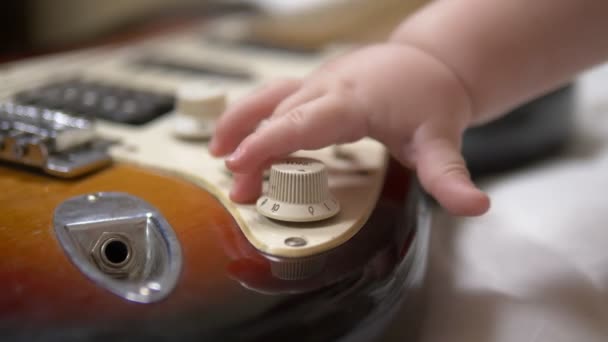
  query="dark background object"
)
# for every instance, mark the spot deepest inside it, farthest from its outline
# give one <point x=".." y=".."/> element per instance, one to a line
<point x="536" y="130"/>
<point x="34" y="27"/>
<point x="13" y="33"/>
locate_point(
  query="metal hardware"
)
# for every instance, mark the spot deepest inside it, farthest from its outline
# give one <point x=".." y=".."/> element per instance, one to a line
<point x="113" y="254"/>
<point x="121" y="243"/>
<point x="295" y="241"/>
<point x="58" y="143"/>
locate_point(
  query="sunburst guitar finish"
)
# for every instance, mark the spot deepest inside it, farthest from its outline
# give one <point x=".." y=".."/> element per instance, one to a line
<point x="67" y="269"/>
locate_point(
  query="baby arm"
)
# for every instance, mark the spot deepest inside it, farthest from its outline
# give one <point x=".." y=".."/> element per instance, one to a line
<point x="452" y="64"/>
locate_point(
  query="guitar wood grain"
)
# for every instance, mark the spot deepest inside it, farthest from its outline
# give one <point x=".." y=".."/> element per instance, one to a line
<point x="38" y="282"/>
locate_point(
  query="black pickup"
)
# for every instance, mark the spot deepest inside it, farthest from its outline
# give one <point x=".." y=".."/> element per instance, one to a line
<point x="94" y="99"/>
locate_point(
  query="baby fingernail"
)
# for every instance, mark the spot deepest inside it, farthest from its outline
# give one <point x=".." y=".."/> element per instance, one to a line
<point x="236" y="155"/>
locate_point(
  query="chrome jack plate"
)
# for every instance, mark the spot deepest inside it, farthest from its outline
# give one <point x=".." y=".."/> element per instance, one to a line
<point x="121" y="243"/>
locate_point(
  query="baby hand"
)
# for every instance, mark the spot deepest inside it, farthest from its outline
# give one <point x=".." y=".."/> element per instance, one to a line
<point x="394" y="93"/>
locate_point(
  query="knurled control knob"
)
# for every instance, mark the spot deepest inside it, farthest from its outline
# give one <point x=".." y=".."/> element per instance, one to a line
<point x="197" y="108"/>
<point x="298" y="191"/>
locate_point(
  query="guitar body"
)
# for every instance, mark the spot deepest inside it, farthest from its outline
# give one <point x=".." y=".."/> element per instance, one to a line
<point x="150" y="247"/>
<point x="225" y="290"/>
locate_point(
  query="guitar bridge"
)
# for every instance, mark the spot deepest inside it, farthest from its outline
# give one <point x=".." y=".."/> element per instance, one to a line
<point x="58" y="143"/>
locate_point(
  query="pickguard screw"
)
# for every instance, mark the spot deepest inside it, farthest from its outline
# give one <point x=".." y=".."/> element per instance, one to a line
<point x="295" y="242"/>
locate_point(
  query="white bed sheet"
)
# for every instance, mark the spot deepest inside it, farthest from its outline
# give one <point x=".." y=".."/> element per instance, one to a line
<point x="535" y="268"/>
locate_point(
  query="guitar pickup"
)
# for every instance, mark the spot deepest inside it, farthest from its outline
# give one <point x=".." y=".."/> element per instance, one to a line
<point x="103" y="101"/>
<point x="55" y="142"/>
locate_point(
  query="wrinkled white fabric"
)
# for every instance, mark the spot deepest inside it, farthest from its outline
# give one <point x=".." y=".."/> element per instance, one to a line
<point x="535" y="268"/>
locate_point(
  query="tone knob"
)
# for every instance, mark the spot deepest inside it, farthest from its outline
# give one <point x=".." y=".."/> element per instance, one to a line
<point x="197" y="108"/>
<point x="298" y="192"/>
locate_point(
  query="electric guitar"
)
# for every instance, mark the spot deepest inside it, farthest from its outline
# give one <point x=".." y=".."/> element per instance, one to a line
<point x="115" y="221"/>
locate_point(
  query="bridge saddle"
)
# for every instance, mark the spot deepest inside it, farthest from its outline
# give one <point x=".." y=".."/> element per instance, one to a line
<point x="58" y="143"/>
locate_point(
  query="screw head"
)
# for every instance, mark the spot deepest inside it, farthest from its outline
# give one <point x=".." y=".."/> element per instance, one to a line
<point x="295" y="241"/>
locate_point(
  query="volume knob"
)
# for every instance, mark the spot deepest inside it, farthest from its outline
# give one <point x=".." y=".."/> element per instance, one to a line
<point x="298" y="192"/>
<point x="198" y="107"/>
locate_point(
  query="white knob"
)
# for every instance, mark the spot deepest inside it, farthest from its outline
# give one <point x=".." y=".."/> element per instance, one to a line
<point x="298" y="192"/>
<point x="198" y="105"/>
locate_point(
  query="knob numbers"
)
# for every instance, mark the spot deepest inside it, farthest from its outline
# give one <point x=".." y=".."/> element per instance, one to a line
<point x="298" y="191"/>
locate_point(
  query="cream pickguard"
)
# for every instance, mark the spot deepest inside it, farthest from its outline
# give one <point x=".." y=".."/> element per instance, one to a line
<point x="356" y="175"/>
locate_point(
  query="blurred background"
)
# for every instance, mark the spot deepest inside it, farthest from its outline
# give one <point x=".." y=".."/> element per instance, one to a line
<point x="38" y="25"/>
<point x="48" y="25"/>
